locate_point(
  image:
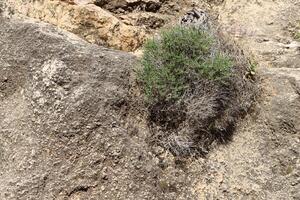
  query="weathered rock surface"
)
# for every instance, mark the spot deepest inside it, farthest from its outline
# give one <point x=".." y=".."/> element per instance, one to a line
<point x="195" y="18"/>
<point x="118" y="24"/>
<point x="262" y="161"/>
<point x="57" y="103"/>
<point x="62" y="125"/>
<point x="63" y="133"/>
<point x="89" y="21"/>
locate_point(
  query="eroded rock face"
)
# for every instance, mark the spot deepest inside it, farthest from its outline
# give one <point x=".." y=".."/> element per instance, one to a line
<point x="262" y="161"/>
<point x="86" y="20"/>
<point x="61" y="135"/>
<point x="124" y="6"/>
<point x="62" y="131"/>
<point x="118" y="24"/>
<point x="57" y="94"/>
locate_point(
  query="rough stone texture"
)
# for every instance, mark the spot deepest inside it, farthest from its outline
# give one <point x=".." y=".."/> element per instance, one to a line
<point x="118" y="24"/>
<point x="57" y="94"/>
<point x="89" y="21"/>
<point x="123" y="6"/>
<point x="196" y="18"/>
<point x="62" y="126"/>
<point x="262" y="161"/>
<point x="62" y="135"/>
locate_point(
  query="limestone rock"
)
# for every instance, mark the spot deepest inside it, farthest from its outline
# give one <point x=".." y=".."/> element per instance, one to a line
<point x="87" y="20"/>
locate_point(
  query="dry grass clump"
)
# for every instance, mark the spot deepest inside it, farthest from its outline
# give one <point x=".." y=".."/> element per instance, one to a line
<point x="196" y="87"/>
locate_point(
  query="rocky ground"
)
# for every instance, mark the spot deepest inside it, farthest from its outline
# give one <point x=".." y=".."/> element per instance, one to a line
<point x="262" y="161"/>
<point x="65" y="128"/>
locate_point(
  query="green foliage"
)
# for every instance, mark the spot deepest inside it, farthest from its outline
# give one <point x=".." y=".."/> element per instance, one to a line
<point x="297" y="31"/>
<point x="297" y="36"/>
<point x="176" y="61"/>
<point x="252" y="67"/>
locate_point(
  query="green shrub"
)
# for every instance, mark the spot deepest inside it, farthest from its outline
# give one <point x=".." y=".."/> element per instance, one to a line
<point x="177" y="60"/>
<point x="297" y="35"/>
<point x="296" y="32"/>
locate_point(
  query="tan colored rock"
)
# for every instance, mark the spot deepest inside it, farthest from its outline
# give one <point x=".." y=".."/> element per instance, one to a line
<point x="84" y="2"/>
<point x="120" y="24"/>
<point x="150" y="21"/>
<point x="85" y="19"/>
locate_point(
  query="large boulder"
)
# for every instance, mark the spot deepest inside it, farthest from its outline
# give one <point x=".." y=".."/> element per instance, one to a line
<point x="59" y="99"/>
<point x="64" y="133"/>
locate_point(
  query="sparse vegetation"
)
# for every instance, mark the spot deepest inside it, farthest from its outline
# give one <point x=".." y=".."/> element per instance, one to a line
<point x="195" y="88"/>
<point x="296" y="31"/>
<point x="297" y="35"/>
<point x="176" y="61"/>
